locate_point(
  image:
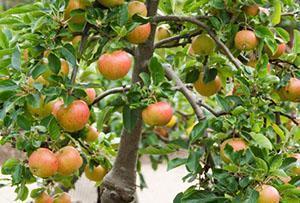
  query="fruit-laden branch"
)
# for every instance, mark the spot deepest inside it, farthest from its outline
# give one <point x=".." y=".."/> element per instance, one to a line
<point x="162" y="43"/>
<point x="185" y="91"/>
<point x="109" y="92"/>
<point x="119" y="185"/>
<point x="194" y="20"/>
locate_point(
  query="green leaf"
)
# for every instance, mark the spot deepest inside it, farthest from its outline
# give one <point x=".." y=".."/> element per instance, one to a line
<point x="261" y="165"/>
<point x="192" y="162"/>
<point x="276" y="15"/>
<point x="156" y="70"/>
<point x="16" y="59"/>
<point x="69" y="56"/>
<point x="198" y="130"/>
<point x="54" y="63"/>
<point x="175" y="163"/>
<point x="4" y="43"/>
<point x="261" y="140"/>
<point x="192" y="76"/>
<point x="23" y="122"/>
<point x="278" y="131"/>
<point x="296" y="47"/>
<point x="169" y="148"/>
<point x="210" y="75"/>
<point x="21" y="9"/>
<point x="22" y="192"/>
<point x="264" y="32"/>
<point x="36" y="192"/>
<point x="129" y="118"/>
<point x="54" y="129"/>
<point x="283" y="34"/>
<point x="9" y="166"/>
<point x="38" y="70"/>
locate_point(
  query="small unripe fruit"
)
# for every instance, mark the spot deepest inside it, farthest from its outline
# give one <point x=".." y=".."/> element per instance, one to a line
<point x="73" y="117"/>
<point x="91" y="95"/>
<point x="63" y="198"/>
<point x="114" y="65"/>
<point x="64" y="69"/>
<point x="291" y="92"/>
<point x="159" y="114"/>
<point x="268" y="194"/>
<point x="69" y="160"/>
<point x="279" y="51"/>
<point x="140" y="34"/>
<point x="92" y="134"/>
<point x="111" y="3"/>
<point x="172" y="122"/>
<point x="208" y="89"/>
<point x="237" y="144"/>
<point x="162" y="32"/>
<point x="43" y="163"/>
<point x="136" y="7"/>
<point x="96" y="174"/>
<point x="42" y="111"/>
<point x="203" y="45"/>
<point x="161" y="131"/>
<point x="56" y="106"/>
<point x="251" y="10"/>
<point x="43" y="198"/>
<point x="245" y="40"/>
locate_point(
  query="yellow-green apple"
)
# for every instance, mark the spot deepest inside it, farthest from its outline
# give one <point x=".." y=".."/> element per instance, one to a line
<point x="42" y="111"/>
<point x="96" y="174"/>
<point x="69" y="160"/>
<point x="111" y="3"/>
<point x="115" y="65"/>
<point x="207" y="89"/>
<point x="158" y="114"/>
<point x="203" y="45"/>
<point x="136" y="7"/>
<point x="73" y="117"/>
<point x="43" y="163"/>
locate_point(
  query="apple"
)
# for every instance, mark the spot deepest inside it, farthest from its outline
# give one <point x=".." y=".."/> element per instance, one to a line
<point x="76" y="40"/>
<point x="74" y="5"/>
<point x="64" y="68"/>
<point x="43" y="163"/>
<point x="162" y="32"/>
<point x="56" y="105"/>
<point x="191" y="51"/>
<point x="42" y="111"/>
<point x="161" y="131"/>
<point x="251" y="10"/>
<point x="63" y="198"/>
<point x="69" y="160"/>
<point x="268" y="194"/>
<point x="140" y="34"/>
<point x="281" y="48"/>
<point x="296" y="167"/>
<point x="91" y="95"/>
<point x="158" y="114"/>
<point x="111" y="3"/>
<point x="172" y="122"/>
<point x="73" y="117"/>
<point x="252" y="63"/>
<point x="92" y="134"/>
<point x="43" y="198"/>
<point x="291" y="92"/>
<point x="207" y="89"/>
<point x="203" y="45"/>
<point x="237" y="144"/>
<point x="115" y="65"/>
<point x="96" y="174"/>
<point x="245" y="40"/>
<point x="136" y="7"/>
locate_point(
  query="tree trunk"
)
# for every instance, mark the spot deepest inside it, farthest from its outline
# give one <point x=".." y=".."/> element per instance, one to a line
<point x="119" y="185"/>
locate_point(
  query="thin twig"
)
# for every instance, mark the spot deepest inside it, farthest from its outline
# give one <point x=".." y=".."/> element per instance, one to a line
<point x="217" y="114"/>
<point x="111" y="91"/>
<point x="292" y="118"/>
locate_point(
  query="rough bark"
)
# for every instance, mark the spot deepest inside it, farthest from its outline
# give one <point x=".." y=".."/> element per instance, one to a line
<point x="119" y="185"/>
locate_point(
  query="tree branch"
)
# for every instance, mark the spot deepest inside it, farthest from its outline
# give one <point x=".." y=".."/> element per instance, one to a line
<point x="217" y="114"/>
<point x="292" y="118"/>
<point x="111" y="91"/>
<point x="194" y="20"/>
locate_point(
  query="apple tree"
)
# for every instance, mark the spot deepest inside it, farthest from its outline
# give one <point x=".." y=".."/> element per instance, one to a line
<point x="88" y="87"/>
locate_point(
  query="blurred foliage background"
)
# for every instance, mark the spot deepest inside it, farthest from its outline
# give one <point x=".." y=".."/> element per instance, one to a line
<point x="5" y="4"/>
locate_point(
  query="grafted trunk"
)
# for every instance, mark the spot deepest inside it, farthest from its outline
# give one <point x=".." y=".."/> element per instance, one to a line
<point x="119" y="185"/>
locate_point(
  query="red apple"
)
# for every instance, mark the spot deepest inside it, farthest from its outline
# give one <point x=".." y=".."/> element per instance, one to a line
<point x="91" y="95"/>
<point x="268" y="194"/>
<point x="245" y="40"/>
<point x="43" y="163"/>
<point x="207" y="89"/>
<point x="291" y="92"/>
<point x="159" y="114"/>
<point x="115" y="65"/>
<point x="63" y="198"/>
<point x="43" y="198"/>
<point x="56" y="106"/>
<point x="140" y="34"/>
<point x="237" y="144"/>
<point x="73" y="117"/>
<point x="69" y="160"/>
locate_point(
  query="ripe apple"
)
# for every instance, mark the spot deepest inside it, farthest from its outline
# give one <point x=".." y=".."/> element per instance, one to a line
<point x="96" y="174"/>
<point x="237" y="144"/>
<point x="279" y="51"/>
<point x="136" y="7"/>
<point x="63" y="198"/>
<point x="92" y="134"/>
<point x="111" y="3"/>
<point x="73" y="117"/>
<point x="69" y="160"/>
<point x="74" y="5"/>
<point x="245" y="40"/>
<point x="140" y="34"/>
<point x="268" y="194"/>
<point x="114" y="65"/>
<point x="251" y="10"/>
<point x="161" y="131"/>
<point x="172" y="122"/>
<point x="43" y="163"/>
<point x="42" y="111"/>
<point x="43" y="198"/>
<point x="91" y="95"/>
<point x="64" y="68"/>
<point x="203" y="45"/>
<point x="56" y="105"/>
<point x="291" y="92"/>
<point x="207" y="89"/>
<point x="296" y="167"/>
<point x="159" y="114"/>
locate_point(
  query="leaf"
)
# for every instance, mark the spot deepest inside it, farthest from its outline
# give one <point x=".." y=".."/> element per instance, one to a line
<point x="16" y="59"/>
<point x="192" y="76"/>
<point x="21" y="9"/>
<point x="175" y="163"/>
<point x="129" y="118"/>
<point x="22" y="192"/>
<point x="4" y="43"/>
<point x="198" y="130"/>
<point x="283" y="34"/>
<point x="38" y="70"/>
<point x="36" y="192"/>
<point x="210" y="75"/>
<point x="223" y="102"/>
<point x="264" y="32"/>
<point x="54" y="129"/>
<point x="192" y="162"/>
<point x="54" y="63"/>
<point x="261" y="165"/>
<point x="278" y="131"/>
<point x="296" y="47"/>
<point x="23" y="122"/>
<point x="169" y="148"/>
<point x="261" y="140"/>
<point x="156" y="71"/>
<point x="69" y="56"/>
<point x="145" y="78"/>
<point x="276" y="15"/>
<point x="9" y="166"/>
